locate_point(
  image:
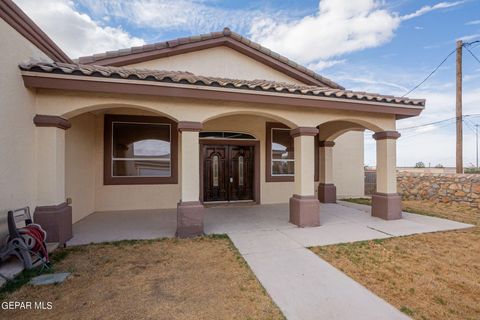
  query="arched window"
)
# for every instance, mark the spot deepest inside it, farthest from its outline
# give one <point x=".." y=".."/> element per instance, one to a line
<point x="225" y="135"/>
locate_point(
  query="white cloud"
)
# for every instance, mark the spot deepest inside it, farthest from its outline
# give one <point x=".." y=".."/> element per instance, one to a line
<point x="76" y="33"/>
<point x="195" y="16"/>
<point x="418" y="28"/>
<point x="426" y="9"/>
<point x="470" y="37"/>
<point x="339" y="27"/>
<point x="474" y="22"/>
<point x="325" y="64"/>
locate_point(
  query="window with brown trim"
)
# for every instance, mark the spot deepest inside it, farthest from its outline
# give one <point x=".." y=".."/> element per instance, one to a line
<point x="280" y="159"/>
<point x="140" y="150"/>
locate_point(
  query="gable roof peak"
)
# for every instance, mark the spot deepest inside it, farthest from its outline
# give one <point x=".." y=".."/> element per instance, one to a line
<point x="226" y="37"/>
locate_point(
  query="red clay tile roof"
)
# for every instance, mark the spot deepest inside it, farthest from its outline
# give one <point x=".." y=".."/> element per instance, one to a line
<point x="106" y="58"/>
<point x="192" y="79"/>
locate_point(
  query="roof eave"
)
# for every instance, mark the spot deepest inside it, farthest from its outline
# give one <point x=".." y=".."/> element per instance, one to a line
<point x="19" y="21"/>
<point x="41" y="80"/>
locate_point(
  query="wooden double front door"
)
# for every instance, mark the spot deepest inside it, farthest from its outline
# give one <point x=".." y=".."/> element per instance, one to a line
<point x="228" y="172"/>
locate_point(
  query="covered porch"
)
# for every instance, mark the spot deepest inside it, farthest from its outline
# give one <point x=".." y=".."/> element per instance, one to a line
<point x="255" y="224"/>
<point x="149" y="145"/>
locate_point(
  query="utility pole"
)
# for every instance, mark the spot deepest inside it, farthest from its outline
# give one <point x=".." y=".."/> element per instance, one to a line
<point x="458" y="107"/>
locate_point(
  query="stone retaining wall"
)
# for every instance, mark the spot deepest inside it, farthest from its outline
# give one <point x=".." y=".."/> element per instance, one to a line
<point x="448" y="188"/>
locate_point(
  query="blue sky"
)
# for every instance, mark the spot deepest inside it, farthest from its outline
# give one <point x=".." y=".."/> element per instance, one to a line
<point x="378" y="46"/>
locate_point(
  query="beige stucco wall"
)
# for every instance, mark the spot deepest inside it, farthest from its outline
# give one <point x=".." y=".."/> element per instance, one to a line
<point x="348" y="160"/>
<point x="80" y="159"/>
<point x="84" y="177"/>
<point x="215" y="116"/>
<point x="18" y="165"/>
<point x="218" y="62"/>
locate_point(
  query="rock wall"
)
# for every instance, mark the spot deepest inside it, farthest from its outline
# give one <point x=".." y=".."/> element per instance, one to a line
<point x="448" y="188"/>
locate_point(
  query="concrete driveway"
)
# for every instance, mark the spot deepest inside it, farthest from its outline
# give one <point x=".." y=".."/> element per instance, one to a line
<point x="303" y="285"/>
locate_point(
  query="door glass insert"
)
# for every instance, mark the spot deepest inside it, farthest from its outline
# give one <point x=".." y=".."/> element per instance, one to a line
<point x="215" y="170"/>
<point x="240" y="171"/>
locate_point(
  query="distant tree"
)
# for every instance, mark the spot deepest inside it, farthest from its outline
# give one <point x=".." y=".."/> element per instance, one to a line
<point x="420" y="165"/>
<point x="439" y="166"/>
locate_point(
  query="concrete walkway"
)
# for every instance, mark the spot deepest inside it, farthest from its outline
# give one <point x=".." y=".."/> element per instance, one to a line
<point x="303" y="285"/>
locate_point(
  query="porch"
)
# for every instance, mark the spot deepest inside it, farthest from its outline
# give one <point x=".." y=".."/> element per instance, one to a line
<point x="342" y="222"/>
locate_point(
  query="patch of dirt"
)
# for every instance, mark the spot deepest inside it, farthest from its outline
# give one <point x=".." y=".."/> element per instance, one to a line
<point x="427" y="276"/>
<point x="202" y="278"/>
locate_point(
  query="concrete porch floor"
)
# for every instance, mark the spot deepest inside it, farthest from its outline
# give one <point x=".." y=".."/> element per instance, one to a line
<point x="302" y="284"/>
<point x="342" y="222"/>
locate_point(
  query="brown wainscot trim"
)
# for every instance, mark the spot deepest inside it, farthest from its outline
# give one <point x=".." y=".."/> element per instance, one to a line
<point x="256" y="172"/>
<point x="41" y="120"/>
<point x="382" y="135"/>
<point x="19" y="21"/>
<point x="107" y="152"/>
<point x="304" y="131"/>
<point x="387" y="206"/>
<point x="56" y="220"/>
<point x="304" y="211"/>
<point x="189" y="126"/>
<point x="190" y="216"/>
<point x="268" y="155"/>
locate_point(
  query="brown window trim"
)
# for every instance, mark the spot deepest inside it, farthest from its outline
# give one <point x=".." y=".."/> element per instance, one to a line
<point x="268" y="155"/>
<point x="107" y="152"/>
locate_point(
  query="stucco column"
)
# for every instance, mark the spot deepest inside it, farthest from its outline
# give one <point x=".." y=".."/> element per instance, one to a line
<point x="327" y="192"/>
<point x="304" y="206"/>
<point x="52" y="211"/>
<point x="386" y="202"/>
<point x="190" y="211"/>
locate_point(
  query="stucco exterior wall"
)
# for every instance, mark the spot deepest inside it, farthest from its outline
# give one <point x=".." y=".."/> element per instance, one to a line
<point x="348" y="161"/>
<point x="17" y="132"/>
<point x="218" y="62"/>
<point x="215" y="116"/>
<point x="80" y="164"/>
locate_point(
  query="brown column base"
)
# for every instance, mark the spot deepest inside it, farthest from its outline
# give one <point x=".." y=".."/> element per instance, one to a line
<point x="304" y="211"/>
<point x="387" y="206"/>
<point x="56" y="221"/>
<point x="327" y="193"/>
<point x="189" y="219"/>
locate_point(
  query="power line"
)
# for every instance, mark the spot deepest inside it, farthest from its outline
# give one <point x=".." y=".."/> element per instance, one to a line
<point x="440" y="121"/>
<point x="431" y="73"/>
<point x="466" y="45"/>
<point x="473" y="55"/>
<point x="429" y="131"/>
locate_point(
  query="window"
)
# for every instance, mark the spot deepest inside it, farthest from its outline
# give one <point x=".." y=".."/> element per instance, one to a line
<point x="282" y="153"/>
<point x="225" y="135"/>
<point x="280" y="162"/>
<point x="140" y="150"/>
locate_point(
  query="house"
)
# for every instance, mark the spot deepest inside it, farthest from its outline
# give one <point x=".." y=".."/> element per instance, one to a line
<point x="212" y="118"/>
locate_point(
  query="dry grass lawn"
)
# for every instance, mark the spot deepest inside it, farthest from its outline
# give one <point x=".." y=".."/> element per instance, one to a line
<point x="202" y="278"/>
<point x="427" y="276"/>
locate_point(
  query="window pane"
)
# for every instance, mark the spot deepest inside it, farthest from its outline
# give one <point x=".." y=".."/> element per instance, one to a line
<point x="282" y="167"/>
<point x="215" y="171"/>
<point x="141" y="140"/>
<point x="141" y="168"/>
<point x="282" y="144"/>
